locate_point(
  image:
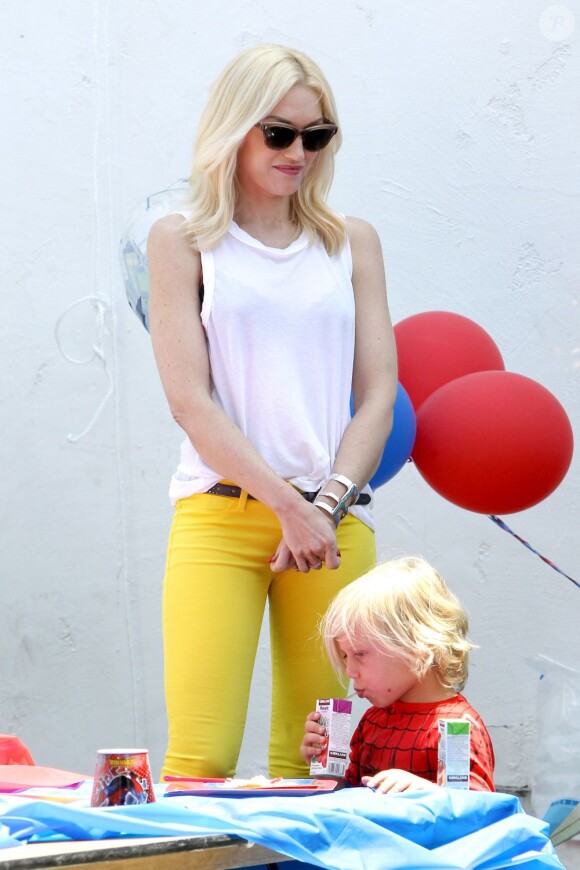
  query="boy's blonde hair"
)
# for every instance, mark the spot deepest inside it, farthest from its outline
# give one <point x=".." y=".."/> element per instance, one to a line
<point x="402" y="607"/>
<point x="247" y="91"/>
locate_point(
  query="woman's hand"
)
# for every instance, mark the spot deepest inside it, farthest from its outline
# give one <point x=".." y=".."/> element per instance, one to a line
<point x="308" y="541"/>
<point x="314" y="740"/>
<point x="395" y="781"/>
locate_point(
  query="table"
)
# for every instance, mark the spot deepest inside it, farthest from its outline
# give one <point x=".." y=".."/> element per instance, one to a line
<point x="440" y="827"/>
<point x="215" y="852"/>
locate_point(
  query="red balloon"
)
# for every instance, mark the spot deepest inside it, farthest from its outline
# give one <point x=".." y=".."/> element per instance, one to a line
<point x="493" y="442"/>
<point x="436" y="347"/>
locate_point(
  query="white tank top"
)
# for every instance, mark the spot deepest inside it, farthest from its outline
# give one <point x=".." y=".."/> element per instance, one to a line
<point x="280" y="334"/>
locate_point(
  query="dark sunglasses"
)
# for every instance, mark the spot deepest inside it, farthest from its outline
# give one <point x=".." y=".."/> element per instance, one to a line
<point x="279" y="136"/>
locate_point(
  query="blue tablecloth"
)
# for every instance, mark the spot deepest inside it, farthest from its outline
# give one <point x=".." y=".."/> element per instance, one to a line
<point x="353" y="829"/>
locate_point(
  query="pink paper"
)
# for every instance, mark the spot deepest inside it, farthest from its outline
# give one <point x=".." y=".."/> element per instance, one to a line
<point x="14" y="777"/>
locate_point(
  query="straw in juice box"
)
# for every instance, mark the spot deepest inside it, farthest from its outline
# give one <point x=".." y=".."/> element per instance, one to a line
<point x="335" y="719"/>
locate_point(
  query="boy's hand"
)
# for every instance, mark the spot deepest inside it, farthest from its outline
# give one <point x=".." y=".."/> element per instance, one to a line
<point x="314" y="740"/>
<point x="395" y="781"/>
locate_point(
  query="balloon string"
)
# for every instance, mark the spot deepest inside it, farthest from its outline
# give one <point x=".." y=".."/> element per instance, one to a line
<point x="506" y="528"/>
<point x="102" y="307"/>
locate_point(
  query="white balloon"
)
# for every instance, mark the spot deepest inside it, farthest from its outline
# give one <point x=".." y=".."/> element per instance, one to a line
<point x="134" y="244"/>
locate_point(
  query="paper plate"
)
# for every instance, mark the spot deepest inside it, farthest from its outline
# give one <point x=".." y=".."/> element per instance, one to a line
<point x="282" y="788"/>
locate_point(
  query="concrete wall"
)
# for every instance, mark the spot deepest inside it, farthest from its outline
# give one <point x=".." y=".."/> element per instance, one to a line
<point x="460" y="146"/>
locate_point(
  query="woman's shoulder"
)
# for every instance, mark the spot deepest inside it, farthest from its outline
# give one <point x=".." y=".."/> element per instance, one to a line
<point x="362" y="236"/>
<point x="167" y="226"/>
<point x="358" y="228"/>
<point x="167" y="233"/>
<point x="366" y="251"/>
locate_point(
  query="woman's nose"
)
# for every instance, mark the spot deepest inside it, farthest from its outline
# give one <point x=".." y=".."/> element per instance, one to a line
<point x="296" y="149"/>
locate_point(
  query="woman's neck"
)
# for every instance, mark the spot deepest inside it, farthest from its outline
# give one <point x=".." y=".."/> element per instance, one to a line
<point x="271" y="224"/>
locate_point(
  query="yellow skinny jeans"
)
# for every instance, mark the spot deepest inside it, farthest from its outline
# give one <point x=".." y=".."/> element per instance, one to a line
<point x="216" y="584"/>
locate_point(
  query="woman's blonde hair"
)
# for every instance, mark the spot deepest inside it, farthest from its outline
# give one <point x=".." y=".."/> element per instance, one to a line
<point x="246" y="92"/>
<point x="402" y="607"/>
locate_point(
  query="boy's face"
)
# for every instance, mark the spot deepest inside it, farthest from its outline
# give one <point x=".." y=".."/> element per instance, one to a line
<point x="377" y="676"/>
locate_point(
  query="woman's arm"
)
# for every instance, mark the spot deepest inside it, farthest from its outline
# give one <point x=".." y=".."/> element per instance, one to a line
<point x="374" y="383"/>
<point x="179" y="344"/>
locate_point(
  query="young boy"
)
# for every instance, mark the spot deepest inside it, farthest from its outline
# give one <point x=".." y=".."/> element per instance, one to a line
<point x="401" y="636"/>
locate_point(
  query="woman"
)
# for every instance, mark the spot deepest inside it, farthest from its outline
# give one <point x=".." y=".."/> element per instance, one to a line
<point x="267" y="309"/>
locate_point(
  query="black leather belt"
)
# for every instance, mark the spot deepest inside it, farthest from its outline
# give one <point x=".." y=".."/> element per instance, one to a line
<point x="235" y="492"/>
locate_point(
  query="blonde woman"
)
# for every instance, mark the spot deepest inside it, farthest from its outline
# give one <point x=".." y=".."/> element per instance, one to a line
<point x="401" y="636"/>
<point x="267" y="309"/>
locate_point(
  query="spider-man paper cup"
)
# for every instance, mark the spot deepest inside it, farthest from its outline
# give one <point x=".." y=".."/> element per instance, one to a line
<point x="122" y="778"/>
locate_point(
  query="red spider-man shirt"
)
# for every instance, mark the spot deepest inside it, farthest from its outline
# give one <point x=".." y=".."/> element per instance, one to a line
<point x="406" y="736"/>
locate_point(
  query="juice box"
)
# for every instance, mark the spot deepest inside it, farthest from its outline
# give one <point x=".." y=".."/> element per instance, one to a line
<point x="335" y="719"/>
<point x="454" y="753"/>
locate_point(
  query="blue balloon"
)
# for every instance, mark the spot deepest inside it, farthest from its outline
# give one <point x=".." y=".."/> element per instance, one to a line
<point x="401" y="440"/>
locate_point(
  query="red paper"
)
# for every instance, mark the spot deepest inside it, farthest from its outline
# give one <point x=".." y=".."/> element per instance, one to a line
<point x="13" y="750"/>
<point x="15" y="777"/>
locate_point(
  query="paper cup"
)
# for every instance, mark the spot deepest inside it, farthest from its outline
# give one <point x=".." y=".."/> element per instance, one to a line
<point x="122" y="778"/>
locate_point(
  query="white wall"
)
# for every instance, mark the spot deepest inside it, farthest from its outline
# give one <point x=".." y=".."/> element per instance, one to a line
<point x="460" y="146"/>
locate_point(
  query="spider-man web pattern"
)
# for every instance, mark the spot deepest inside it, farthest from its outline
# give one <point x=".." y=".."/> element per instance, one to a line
<point x="406" y="736"/>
